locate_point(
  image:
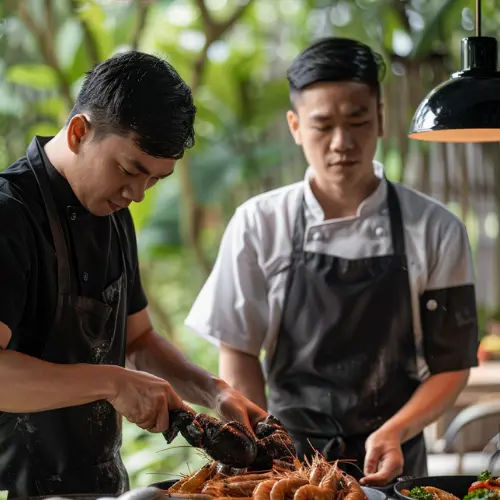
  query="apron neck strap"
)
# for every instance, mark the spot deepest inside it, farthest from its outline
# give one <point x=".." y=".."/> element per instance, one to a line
<point x="64" y="279"/>
<point x="299" y="229"/>
<point x="397" y="233"/>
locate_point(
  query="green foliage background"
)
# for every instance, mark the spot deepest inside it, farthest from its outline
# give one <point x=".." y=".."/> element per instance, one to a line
<point x="234" y="53"/>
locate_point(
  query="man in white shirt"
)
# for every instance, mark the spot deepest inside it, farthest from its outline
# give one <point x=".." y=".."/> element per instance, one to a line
<point x="360" y="291"/>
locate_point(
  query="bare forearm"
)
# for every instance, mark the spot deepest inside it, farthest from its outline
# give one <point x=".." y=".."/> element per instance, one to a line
<point x="154" y="354"/>
<point x="430" y="400"/>
<point x="243" y="372"/>
<point x="30" y="384"/>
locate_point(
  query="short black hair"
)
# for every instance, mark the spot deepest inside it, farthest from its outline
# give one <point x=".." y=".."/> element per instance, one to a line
<point x="336" y="59"/>
<point x="143" y="94"/>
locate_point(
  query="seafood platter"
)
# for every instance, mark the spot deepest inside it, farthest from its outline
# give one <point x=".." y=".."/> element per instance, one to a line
<point x="263" y="466"/>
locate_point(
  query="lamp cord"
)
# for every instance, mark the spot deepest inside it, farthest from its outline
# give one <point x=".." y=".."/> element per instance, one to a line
<point x="478" y="17"/>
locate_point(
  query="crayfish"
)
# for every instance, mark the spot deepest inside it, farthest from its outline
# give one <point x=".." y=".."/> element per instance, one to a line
<point x="231" y="443"/>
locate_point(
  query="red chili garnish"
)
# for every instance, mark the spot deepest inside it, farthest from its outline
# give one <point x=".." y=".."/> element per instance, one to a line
<point x="484" y="484"/>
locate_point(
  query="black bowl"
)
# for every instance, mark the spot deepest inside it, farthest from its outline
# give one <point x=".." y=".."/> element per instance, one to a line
<point x="457" y="485"/>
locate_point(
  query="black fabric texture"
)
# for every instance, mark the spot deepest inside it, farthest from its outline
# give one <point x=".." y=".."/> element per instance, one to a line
<point x="28" y="268"/>
<point x="449" y="328"/>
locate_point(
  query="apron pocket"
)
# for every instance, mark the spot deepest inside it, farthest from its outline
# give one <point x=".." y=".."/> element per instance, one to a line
<point x="107" y="478"/>
<point x="93" y="315"/>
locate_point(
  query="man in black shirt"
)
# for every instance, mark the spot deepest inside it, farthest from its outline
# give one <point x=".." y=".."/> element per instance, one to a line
<point x="72" y="307"/>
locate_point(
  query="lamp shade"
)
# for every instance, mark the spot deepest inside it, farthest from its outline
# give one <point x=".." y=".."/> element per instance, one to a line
<point x="465" y="108"/>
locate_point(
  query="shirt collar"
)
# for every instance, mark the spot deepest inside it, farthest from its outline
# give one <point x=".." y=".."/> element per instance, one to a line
<point x="61" y="190"/>
<point x="369" y="205"/>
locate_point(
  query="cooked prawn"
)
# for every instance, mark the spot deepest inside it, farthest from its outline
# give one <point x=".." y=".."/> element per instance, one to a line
<point x="192" y="496"/>
<point x="225" y="489"/>
<point x="313" y="492"/>
<point x="286" y="486"/>
<point x="353" y="489"/>
<point x="194" y="483"/>
<point x="178" y="485"/>
<point x="330" y="481"/>
<point x="318" y="470"/>
<point x="230" y="498"/>
<point x="248" y="477"/>
<point x="440" y="494"/>
<point x="263" y="490"/>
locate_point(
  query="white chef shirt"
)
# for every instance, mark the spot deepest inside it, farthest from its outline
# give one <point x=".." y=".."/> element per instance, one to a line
<point x="241" y="303"/>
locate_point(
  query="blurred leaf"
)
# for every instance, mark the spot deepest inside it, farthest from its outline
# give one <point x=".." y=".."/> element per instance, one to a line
<point x="10" y="103"/>
<point x="43" y="129"/>
<point x="68" y="40"/>
<point x="79" y="65"/>
<point x="430" y="33"/>
<point x="93" y="14"/>
<point x="53" y="107"/>
<point x="163" y="228"/>
<point x="392" y="22"/>
<point x="37" y="76"/>
<point x="141" y="212"/>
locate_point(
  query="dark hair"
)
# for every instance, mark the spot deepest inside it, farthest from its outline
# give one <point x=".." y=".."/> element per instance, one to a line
<point x="143" y="94"/>
<point x="336" y="59"/>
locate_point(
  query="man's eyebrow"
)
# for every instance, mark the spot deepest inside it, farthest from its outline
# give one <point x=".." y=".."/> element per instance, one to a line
<point x="358" y="112"/>
<point x="319" y="117"/>
<point x="139" y="166"/>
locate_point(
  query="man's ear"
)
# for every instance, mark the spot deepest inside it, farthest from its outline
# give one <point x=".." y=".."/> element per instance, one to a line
<point x="381" y="121"/>
<point x="293" y="124"/>
<point x="77" y="131"/>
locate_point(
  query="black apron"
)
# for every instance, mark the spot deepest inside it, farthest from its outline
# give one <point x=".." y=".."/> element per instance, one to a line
<point x="75" y="449"/>
<point x="344" y="362"/>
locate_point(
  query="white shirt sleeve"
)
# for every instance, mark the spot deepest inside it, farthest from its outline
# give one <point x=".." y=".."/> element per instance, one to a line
<point x="451" y="262"/>
<point x="448" y="306"/>
<point x="232" y="306"/>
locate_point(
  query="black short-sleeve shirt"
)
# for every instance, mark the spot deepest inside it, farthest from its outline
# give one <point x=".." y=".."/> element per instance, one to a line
<point x="28" y="266"/>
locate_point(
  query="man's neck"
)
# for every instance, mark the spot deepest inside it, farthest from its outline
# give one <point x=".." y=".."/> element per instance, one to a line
<point x="338" y="201"/>
<point x="56" y="152"/>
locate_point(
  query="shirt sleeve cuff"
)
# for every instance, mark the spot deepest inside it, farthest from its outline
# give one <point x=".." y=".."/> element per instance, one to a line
<point x="215" y="336"/>
<point x="450" y="330"/>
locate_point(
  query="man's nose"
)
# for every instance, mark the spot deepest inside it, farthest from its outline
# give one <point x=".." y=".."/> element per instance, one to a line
<point x="134" y="191"/>
<point x="341" y="140"/>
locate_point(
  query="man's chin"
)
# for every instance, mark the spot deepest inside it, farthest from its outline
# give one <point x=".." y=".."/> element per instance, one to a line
<point x="100" y="210"/>
<point x="339" y="175"/>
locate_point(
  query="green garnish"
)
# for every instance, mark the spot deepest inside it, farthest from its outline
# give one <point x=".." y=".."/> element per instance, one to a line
<point x="421" y="493"/>
<point x="483" y="494"/>
<point x="484" y="476"/>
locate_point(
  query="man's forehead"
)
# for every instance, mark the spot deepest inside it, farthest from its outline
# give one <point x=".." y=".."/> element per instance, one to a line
<point x="346" y="96"/>
<point x="348" y="109"/>
<point x="336" y="98"/>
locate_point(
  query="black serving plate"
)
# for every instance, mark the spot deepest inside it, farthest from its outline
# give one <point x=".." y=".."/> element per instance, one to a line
<point x="373" y="493"/>
<point x="457" y="485"/>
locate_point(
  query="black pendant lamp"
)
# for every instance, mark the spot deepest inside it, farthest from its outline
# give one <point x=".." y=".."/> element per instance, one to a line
<point x="465" y="108"/>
